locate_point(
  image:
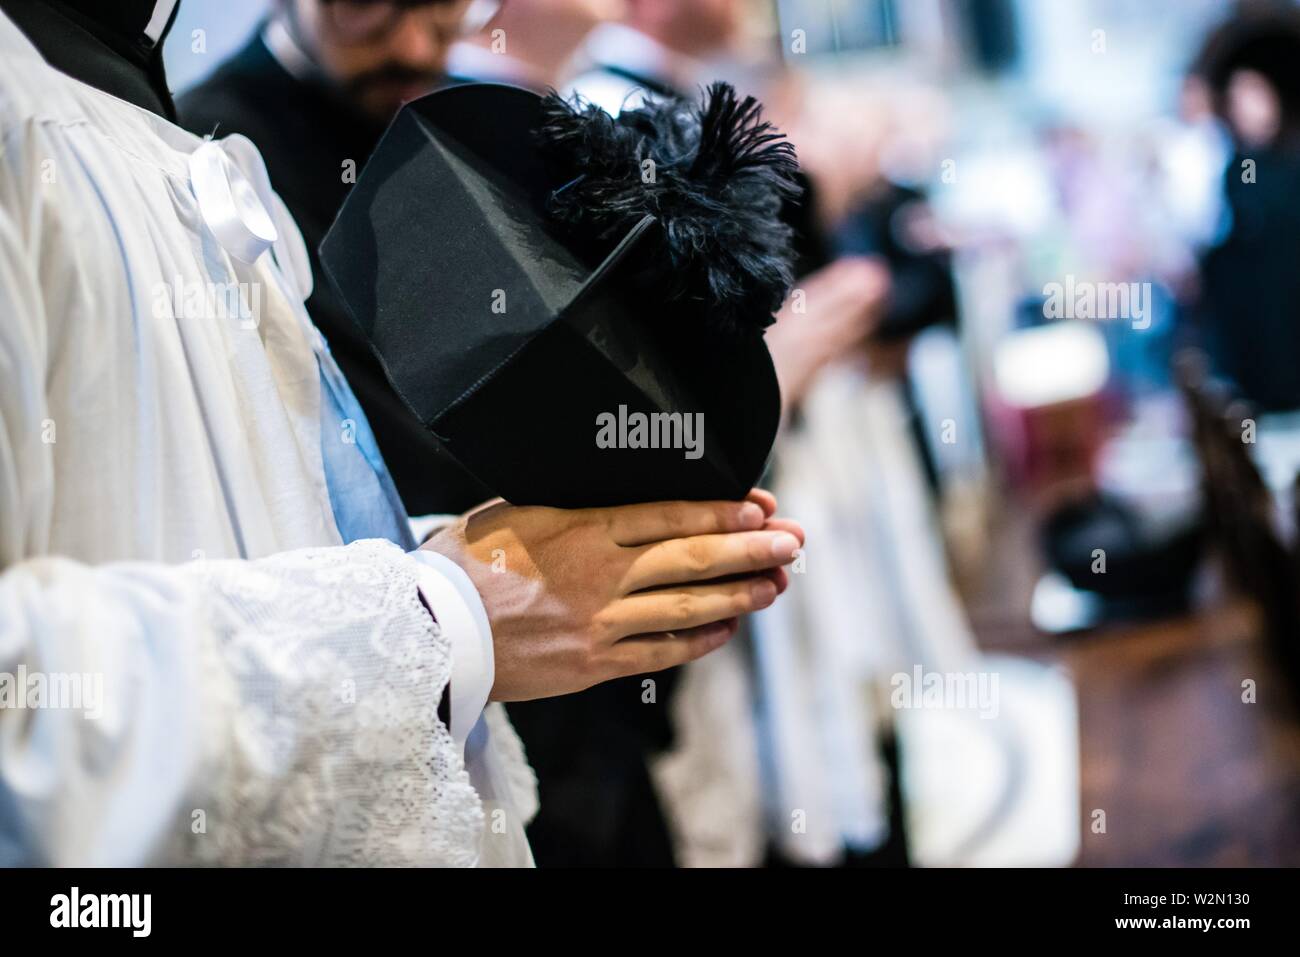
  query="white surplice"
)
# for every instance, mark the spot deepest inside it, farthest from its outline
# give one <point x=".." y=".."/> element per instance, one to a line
<point x="208" y="674"/>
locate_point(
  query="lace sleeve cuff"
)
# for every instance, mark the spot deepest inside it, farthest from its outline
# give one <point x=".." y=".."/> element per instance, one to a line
<point x="464" y="622"/>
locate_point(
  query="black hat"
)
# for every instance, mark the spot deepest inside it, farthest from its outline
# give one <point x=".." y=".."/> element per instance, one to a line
<point x="571" y="303"/>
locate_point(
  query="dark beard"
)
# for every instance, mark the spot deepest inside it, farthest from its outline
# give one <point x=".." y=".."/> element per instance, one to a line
<point x="393" y="73"/>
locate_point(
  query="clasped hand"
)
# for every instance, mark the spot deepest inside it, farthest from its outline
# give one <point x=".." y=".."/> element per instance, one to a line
<point x="579" y="596"/>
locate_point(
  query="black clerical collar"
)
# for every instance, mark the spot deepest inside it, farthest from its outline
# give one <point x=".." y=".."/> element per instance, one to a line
<point x="113" y="45"/>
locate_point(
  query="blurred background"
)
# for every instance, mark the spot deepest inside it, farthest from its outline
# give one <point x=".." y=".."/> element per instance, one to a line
<point x="1045" y="439"/>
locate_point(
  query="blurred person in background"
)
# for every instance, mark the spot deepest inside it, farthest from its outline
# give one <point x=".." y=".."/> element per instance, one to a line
<point x="314" y="88"/>
<point x="530" y="43"/>
<point x="668" y="48"/>
<point x="660" y="47"/>
<point x="1249" y="281"/>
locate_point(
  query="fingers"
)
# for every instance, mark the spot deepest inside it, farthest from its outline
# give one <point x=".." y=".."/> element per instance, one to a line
<point x="785" y="525"/>
<point x="704" y="557"/>
<point x="658" y="521"/>
<point x="676" y="609"/>
<point x="643" y="653"/>
<point x="764" y="499"/>
<point x="780" y="577"/>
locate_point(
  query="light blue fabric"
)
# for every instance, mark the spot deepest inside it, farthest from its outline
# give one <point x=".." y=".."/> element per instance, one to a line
<point x="362" y="493"/>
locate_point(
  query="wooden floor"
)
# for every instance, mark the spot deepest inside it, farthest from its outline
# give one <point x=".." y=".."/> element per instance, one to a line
<point x="1187" y="773"/>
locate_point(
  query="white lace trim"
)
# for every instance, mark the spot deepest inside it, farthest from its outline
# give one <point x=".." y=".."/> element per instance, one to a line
<point x="325" y="747"/>
<point x="519" y="774"/>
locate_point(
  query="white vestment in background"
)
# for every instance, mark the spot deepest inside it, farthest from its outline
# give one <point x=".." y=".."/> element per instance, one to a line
<point x="193" y="667"/>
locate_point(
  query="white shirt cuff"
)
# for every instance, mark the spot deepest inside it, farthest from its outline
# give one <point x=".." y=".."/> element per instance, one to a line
<point x="464" y="621"/>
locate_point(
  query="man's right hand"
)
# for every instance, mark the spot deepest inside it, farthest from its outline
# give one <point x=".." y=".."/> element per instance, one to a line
<point x="579" y="596"/>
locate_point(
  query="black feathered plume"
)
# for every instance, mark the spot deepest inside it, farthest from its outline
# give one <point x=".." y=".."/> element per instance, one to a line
<point x="720" y="175"/>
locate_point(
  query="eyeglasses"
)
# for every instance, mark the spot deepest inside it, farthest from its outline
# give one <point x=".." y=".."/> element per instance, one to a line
<point x="364" y="21"/>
